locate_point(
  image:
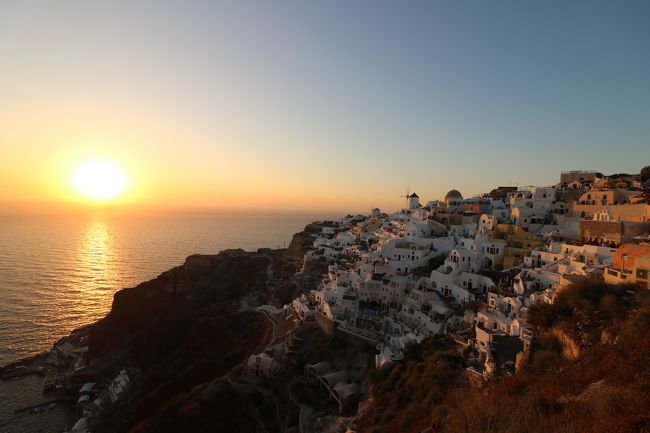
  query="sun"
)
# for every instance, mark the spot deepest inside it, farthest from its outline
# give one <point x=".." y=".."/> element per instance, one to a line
<point x="100" y="180"/>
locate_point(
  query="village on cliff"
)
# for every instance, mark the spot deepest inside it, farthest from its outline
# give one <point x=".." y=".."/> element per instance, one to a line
<point x="470" y="268"/>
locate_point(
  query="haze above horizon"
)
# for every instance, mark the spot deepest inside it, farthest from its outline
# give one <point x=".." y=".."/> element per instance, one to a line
<point x="323" y="106"/>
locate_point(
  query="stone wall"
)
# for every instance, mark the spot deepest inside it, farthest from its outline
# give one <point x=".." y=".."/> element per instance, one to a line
<point x="599" y="231"/>
<point x="616" y="231"/>
<point x="327" y="325"/>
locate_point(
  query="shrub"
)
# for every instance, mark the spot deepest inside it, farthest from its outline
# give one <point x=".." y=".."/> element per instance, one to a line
<point x="413" y="389"/>
<point x="635" y="328"/>
<point x="642" y="298"/>
<point x="541" y="315"/>
<point x="611" y="305"/>
<point x="387" y="416"/>
<point x="587" y="295"/>
<point x="548" y="341"/>
<point x="644" y="174"/>
<point x="542" y="360"/>
<point x="438" y="414"/>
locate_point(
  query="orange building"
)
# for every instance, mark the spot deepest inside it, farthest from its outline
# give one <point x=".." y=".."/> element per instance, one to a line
<point x="627" y="254"/>
<point x="631" y="265"/>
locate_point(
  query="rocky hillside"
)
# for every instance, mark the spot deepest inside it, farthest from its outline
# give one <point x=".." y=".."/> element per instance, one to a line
<point x="214" y="347"/>
<point x="158" y="314"/>
<point x="184" y="332"/>
<point x="588" y="372"/>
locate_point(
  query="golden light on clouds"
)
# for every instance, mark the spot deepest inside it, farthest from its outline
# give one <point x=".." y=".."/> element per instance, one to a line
<point x="99" y="180"/>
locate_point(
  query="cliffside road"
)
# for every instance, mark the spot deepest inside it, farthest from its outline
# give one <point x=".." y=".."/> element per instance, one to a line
<point x="273" y="336"/>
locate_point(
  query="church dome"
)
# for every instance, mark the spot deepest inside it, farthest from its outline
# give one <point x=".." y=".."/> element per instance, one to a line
<point x="454" y="194"/>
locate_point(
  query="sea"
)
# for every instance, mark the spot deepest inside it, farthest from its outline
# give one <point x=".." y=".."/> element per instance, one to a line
<point x="59" y="271"/>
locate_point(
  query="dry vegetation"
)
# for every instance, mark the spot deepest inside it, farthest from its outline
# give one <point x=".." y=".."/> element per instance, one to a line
<point x="408" y="396"/>
<point x="606" y="389"/>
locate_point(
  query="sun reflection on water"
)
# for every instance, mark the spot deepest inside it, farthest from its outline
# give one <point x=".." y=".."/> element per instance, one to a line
<point x="97" y="271"/>
<point x="96" y="248"/>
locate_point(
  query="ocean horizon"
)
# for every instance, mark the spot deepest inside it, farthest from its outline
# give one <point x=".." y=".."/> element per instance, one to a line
<point x="59" y="271"/>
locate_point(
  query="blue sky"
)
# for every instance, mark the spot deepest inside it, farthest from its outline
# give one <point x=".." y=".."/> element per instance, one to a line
<point x="331" y="104"/>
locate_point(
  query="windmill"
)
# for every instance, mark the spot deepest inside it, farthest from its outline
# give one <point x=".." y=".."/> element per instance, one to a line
<point x="408" y="194"/>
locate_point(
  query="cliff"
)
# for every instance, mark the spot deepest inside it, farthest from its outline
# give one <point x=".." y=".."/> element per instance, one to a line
<point x="158" y="314"/>
<point x="184" y="331"/>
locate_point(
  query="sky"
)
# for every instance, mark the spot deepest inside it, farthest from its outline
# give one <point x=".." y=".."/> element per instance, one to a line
<point x="318" y="105"/>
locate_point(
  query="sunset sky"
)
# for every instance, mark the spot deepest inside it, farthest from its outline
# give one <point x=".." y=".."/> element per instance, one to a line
<point x="331" y="105"/>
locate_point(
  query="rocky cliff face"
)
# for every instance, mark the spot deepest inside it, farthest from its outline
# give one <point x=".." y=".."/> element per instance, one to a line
<point x="214" y="407"/>
<point x="212" y="348"/>
<point x="157" y="314"/>
<point x="181" y="329"/>
<point x="185" y="331"/>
